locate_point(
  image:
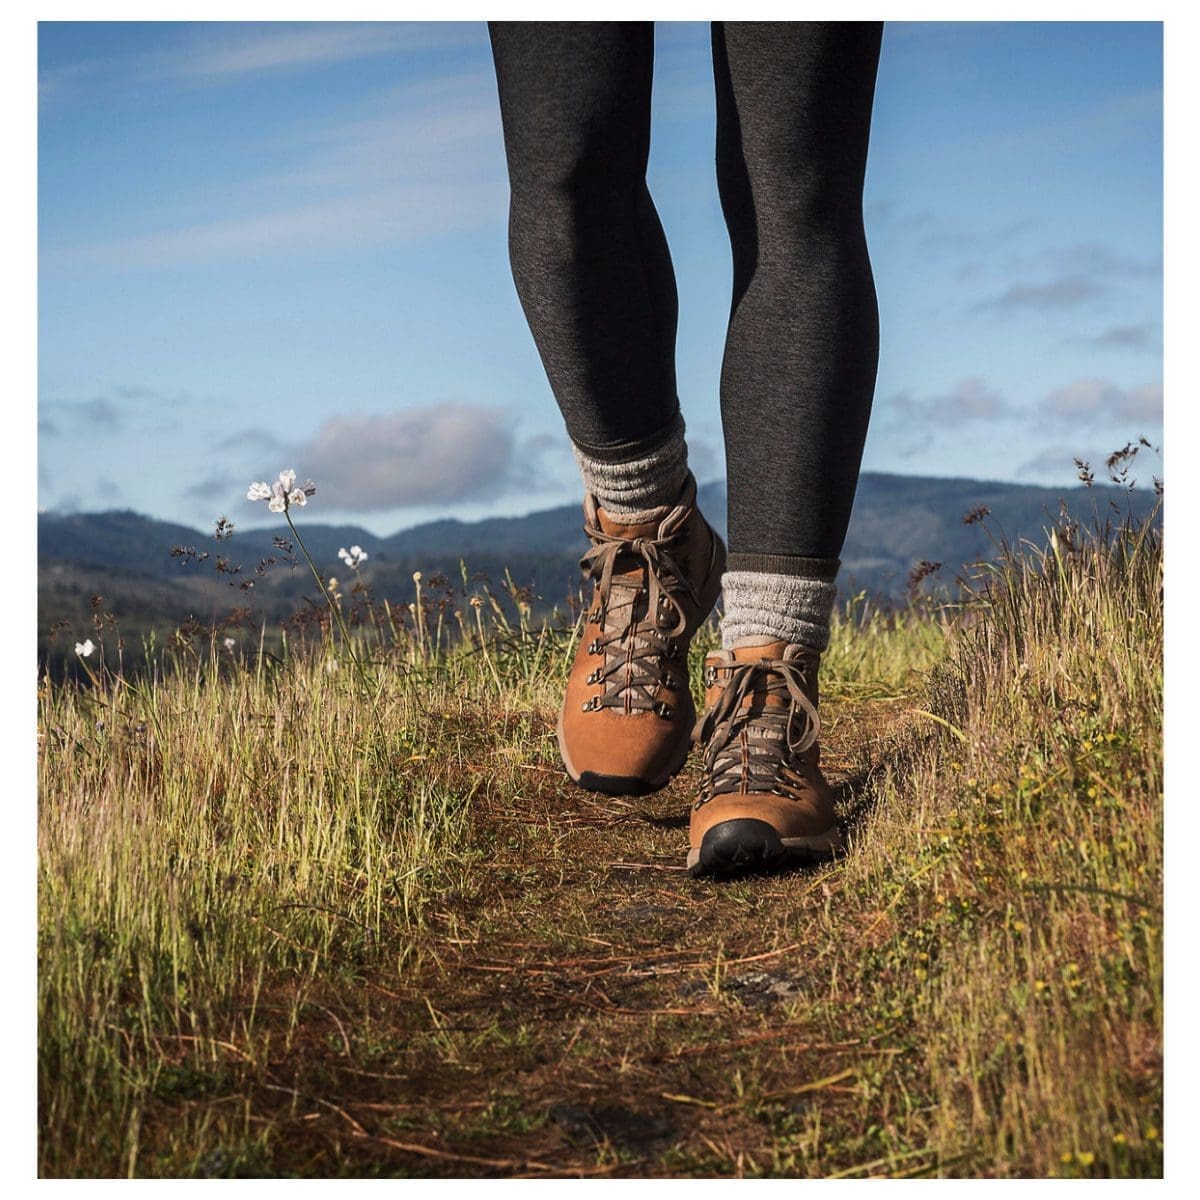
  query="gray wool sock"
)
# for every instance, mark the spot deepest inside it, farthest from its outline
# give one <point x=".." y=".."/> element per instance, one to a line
<point x="626" y="488"/>
<point x="788" y="607"/>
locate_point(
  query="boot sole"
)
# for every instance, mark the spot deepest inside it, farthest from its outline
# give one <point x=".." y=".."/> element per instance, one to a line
<point x="744" y="845"/>
<point x="627" y="785"/>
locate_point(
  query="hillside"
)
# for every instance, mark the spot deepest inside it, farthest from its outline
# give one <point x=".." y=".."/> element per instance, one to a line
<point x="897" y="522"/>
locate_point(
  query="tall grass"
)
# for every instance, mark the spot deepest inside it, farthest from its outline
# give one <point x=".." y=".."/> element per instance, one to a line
<point x="227" y="842"/>
<point x="205" y="832"/>
<point x="1020" y="842"/>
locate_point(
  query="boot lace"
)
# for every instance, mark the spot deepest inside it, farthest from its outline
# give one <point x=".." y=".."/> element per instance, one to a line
<point x="754" y="747"/>
<point x="640" y="617"/>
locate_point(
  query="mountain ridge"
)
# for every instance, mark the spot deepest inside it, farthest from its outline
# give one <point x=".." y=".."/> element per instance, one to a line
<point x="898" y="521"/>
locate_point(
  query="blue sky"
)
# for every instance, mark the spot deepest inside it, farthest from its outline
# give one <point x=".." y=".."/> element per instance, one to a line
<point x="270" y="245"/>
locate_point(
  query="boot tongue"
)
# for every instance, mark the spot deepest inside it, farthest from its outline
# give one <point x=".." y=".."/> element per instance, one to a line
<point x="752" y="652"/>
<point x="628" y="602"/>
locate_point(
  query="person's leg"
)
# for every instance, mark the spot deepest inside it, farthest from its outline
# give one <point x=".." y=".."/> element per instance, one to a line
<point x="793" y="119"/>
<point x="595" y="279"/>
<point x="589" y="257"/>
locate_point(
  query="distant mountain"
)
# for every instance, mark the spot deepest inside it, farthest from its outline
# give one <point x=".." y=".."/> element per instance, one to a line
<point x="898" y="521"/>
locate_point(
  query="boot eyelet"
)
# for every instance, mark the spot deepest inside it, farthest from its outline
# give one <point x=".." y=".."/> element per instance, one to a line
<point x="594" y="677"/>
<point x="594" y="647"/>
<point x="663" y="709"/>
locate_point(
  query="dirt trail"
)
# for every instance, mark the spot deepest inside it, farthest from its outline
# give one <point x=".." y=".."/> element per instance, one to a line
<point x="583" y="1006"/>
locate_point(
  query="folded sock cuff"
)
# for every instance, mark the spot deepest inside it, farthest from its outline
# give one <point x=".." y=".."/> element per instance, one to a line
<point x="629" y="486"/>
<point x="783" y="607"/>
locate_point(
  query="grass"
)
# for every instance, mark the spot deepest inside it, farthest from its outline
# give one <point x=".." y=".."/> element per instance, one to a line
<point x="290" y="926"/>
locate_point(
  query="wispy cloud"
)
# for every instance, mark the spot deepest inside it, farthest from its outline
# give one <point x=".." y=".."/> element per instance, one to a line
<point x="99" y="414"/>
<point x="428" y="162"/>
<point x="254" y="440"/>
<point x="1085" y="403"/>
<point x="931" y="231"/>
<point x="400" y="214"/>
<point x="213" y="53"/>
<point x="1096" y="399"/>
<point x="1093" y="258"/>
<point x="1056" y="462"/>
<point x="1077" y="274"/>
<point x="1111" y="120"/>
<point x="1125" y="337"/>
<point x="1065" y="292"/>
<point x="219" y="483"/>
<point x="139" y="393"/>
<point x="970" y="400"/>
<point x="233" y="51"/>
<point x="121" y="408"/>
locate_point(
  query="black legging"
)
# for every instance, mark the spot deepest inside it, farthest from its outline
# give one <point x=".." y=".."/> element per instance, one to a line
<point x="595" y="279"/>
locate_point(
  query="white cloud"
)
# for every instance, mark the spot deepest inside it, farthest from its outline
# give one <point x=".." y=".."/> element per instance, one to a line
<point x="440" y="454"/>
<point x="969" y="400"/>
<point x="1101" y="399"/>
<point x="1056" y="463"/>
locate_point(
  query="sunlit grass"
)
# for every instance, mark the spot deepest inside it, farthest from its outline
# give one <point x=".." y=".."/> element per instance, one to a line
<point x="229" y="842"/>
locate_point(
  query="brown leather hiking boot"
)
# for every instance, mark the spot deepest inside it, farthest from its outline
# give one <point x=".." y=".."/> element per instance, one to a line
<point x="763" y="798"/>
<point x="628" y="715"/>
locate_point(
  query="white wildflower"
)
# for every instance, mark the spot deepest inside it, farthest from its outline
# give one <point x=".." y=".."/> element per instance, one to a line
<point x="230" y="643"/>
<point x="83" y="649"/>
<point x="354" y="557"/>
<point x="283" y="493"/>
